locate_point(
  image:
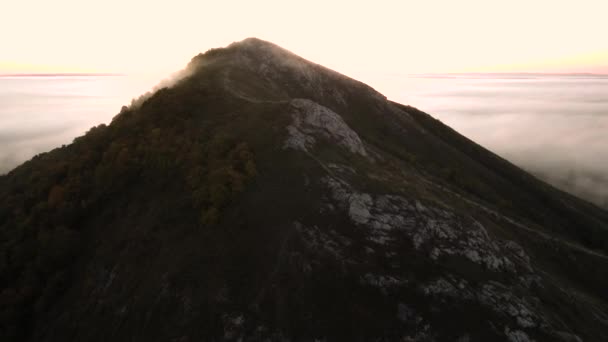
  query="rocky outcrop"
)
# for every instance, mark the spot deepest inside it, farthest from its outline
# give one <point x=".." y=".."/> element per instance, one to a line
<point x="311" y="122"/>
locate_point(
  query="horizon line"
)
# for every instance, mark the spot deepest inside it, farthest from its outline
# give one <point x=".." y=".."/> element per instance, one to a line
<point x="61" y="74"/>
<point x="512" y="73"/>
<point x="505" y="75"/>
<point x="421" y="74"/>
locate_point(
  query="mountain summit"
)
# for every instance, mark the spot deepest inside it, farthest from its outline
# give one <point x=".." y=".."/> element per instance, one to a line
<point x="265" y="197"/>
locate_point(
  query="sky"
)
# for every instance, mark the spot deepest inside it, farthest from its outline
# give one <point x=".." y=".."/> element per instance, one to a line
<point x="354" y="37"/>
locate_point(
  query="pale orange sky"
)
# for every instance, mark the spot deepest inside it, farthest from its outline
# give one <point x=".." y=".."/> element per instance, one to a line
<point x="158" y="37"/>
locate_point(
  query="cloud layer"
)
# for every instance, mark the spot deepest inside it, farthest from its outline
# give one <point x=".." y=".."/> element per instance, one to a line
<point x="38" y="114"/>
<point x="554" y="126"/>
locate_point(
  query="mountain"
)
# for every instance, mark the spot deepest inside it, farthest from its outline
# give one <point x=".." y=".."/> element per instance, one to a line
<point x="265" y="197"/>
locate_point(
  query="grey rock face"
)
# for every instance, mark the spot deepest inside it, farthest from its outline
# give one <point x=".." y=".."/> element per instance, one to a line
<point x="442" y="235"/>
<point x="312" y="120"/>
<point x="436" y="230"/>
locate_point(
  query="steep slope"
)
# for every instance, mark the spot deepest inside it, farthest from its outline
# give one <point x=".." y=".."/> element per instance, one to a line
<point x="266" y="197"/>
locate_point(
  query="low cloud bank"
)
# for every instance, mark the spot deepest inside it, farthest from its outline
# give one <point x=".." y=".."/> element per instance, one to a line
<point x="553" y="126"/>
<point x="38" y="114"/>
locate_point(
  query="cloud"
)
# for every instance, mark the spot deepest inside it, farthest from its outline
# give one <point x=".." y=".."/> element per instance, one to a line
<point x="553" y="126"/>
<point x="38" y="114"/>
<point x="165" y="83"/>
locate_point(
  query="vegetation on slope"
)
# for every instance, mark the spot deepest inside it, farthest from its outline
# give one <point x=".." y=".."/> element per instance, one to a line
<point x="47" y="200"/>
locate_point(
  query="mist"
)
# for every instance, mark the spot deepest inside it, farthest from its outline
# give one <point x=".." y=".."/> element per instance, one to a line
<point x="164" y="83"/>
<point x="554" y="126"/>
<point x="39" y="113"/>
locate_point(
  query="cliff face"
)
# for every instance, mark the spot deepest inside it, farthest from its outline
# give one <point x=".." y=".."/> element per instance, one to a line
<point x="266" y="197"/>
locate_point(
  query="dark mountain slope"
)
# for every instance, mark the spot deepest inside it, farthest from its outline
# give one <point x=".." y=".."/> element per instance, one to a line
<point x="263" y="196"/>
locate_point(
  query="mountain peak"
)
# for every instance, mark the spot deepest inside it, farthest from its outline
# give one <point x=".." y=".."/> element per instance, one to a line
<point x="255" y="42"/>
<point x="257" y="69"/>
<point x="252" y="47"/>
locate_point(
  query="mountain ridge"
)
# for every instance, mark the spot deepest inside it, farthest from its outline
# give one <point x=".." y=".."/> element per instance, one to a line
<point x="262" y="196"/>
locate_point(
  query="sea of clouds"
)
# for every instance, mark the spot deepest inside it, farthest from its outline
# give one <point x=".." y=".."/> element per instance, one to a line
<point x="553" y="126"/>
